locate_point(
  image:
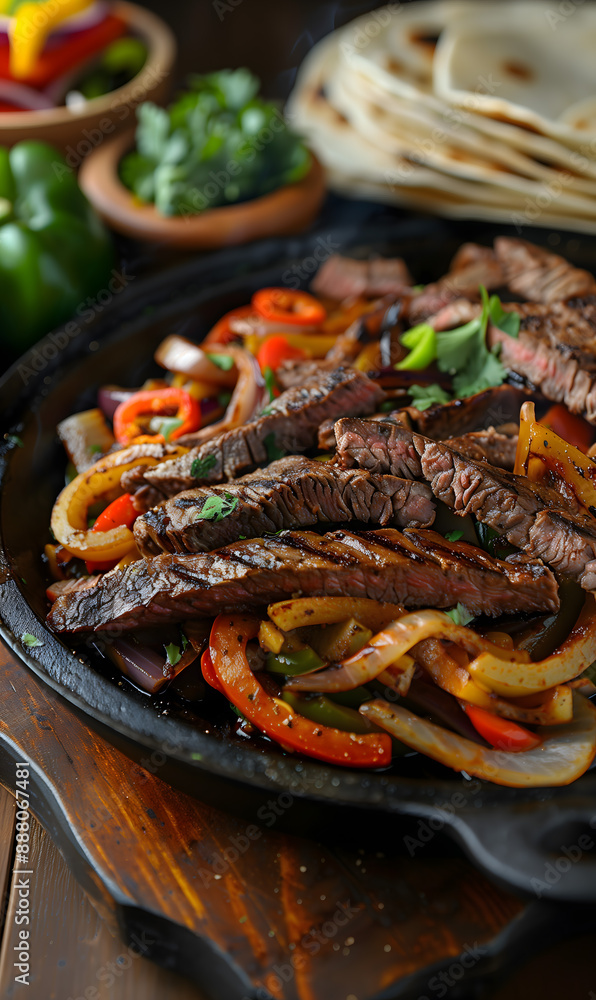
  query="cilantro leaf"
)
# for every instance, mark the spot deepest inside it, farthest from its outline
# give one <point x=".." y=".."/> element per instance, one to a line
<point x="217" y="507"/>
<point x="424" y="396"/>
<point x="30" y="641"/>
<point x="173" y="654"/>
<point x="508" y="322"/>
<point x="223" y="361"/>
<point x="454" y="536"/>
<point x="201" y="466"/>
<point x="273" y="452"/>
<point x="460" y="615"/>
<point x="463" y="353"/>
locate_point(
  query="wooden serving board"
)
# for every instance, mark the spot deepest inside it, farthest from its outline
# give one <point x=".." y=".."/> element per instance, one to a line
<point x="244" y="910"/>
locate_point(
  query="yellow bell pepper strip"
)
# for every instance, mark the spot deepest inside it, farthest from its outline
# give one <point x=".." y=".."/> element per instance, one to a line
<point x="274" y="717"/>
<point x="314" y="345"/>
<point x="422" y="343"/>
<point x="102" y="480"/>
<point x="302" y="611"/>
<point x="30" y="27"/>
<point x="540" y="451"/>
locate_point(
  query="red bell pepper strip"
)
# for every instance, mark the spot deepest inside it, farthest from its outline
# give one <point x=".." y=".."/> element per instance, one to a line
<point x="222" y="332"/>
<point x="61" y="54"/>
<point x="120" y="511"/>
<point x="286" y="305"/>
<point x="156" y="403"/>
<point x="209" y="673"/>
<point x="272" y="716"/>
<point x="571" y="427"/>
<point x="277" y="349"/>
<point x="501" y="733"/>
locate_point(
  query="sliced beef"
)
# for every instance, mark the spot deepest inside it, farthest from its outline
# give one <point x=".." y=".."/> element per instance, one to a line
<point x="487" y="446"/>
<point x="532" y="517"/>
<point x="293" y="373"/>
<point x="472" y="266"/>
<point x="538" y="275"/>
<point x="413" y="568"/>
<point x="293" y="498"/>
<point x="555" y="352"/>
<point x="290" y="424"/>
<point x="343" y="277"/>
<point x="495" y="406"/>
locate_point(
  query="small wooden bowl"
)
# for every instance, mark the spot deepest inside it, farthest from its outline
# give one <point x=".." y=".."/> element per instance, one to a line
<point x="288" y="210"/>
<point x="77" y="133"/>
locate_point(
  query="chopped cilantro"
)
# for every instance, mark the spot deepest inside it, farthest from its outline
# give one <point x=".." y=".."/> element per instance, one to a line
<point x="460" y="615"/>
<point x="184" y="640"/>
<point x="95" y="449"/>
<point x="224" y="399"/>
<point x="14" y="440"/>
<point x="508" y="322"/>
<point x="201" y="466"/>
<point x="273" y="452"/>
<point x="454" y="536"/>
<point x="173" y="654"/>
<point x="217" y="507"/>
<point x="463" y="353"/>
<point x="223" y="361"/>
<point x="30" y="641"/>
<point x="424" y="396"/>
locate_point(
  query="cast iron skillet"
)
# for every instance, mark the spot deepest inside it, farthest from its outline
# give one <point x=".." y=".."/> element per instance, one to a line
<point x="522" y="838"/>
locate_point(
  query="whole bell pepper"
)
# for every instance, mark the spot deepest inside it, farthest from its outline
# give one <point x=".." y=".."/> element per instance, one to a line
<point x="55" y="252"/>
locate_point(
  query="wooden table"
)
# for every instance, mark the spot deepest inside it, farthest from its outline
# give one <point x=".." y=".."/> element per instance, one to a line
<point x="272" y="906"/>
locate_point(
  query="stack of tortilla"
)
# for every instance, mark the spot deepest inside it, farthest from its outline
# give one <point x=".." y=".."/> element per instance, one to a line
<point x="466" y="109"/>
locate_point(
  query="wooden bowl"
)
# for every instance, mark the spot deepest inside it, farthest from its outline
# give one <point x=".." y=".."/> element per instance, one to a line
<point x="76" y="133"/>
<point x="288" y="210"/>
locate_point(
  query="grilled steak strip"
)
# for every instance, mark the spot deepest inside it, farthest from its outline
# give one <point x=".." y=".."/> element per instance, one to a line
<point x="416" y="569"/>
<point x="536" y="274"/>
<point x="487" y="446"/>
<point x="292" y="498"/>
<point x="290" y="424"/>
<point x="344" y="277"/>
<point x="532" y="517"/>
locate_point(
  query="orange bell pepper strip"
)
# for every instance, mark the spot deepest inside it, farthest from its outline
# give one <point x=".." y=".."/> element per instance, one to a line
<point x="569" y="426"/>
<point x="286" y="305"/>
<point x="156" y="403"/>
<point x="541" y="452"/>
<point x="275" y="350"/>
<point x="222" y="332"/>
<point x="274" y="717"/>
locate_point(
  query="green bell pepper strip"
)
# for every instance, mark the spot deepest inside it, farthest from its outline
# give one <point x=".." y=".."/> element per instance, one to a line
<point x="422" y="342"/>
<point x="55" y="253"/>
<point x="302" y="661"/>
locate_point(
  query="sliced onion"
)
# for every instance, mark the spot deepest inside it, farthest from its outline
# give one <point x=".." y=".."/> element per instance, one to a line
<point x="109" y="398"/>
<point x="565" y="752"/>
<point x="389" y="645"/>
<point x="177" y="354"/>
<point x="145" y="666"/>
<point x="255" y="325"/>
<point x="248" y="398"/>
<point x="512" y="680"/>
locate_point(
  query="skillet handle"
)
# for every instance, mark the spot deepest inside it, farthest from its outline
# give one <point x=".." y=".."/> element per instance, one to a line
<point x="546" y="851"/>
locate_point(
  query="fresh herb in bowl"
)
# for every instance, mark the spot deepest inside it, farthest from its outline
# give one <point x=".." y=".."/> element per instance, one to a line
<point x="218" y="144"/>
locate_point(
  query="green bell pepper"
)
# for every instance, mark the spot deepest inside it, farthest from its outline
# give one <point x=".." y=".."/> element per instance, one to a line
<point x="54" y="250"/>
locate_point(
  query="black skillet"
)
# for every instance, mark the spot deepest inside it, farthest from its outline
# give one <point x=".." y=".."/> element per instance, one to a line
<point x="525" y="839"/>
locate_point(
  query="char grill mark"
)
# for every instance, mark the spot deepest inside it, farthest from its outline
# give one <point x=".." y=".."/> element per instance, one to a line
<point x="538" y="275"/>
<point x="413" y="568"/>
<point x="535" y="518"/>
<point x="286" y="496"/>
<point x="290" y="424"/>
